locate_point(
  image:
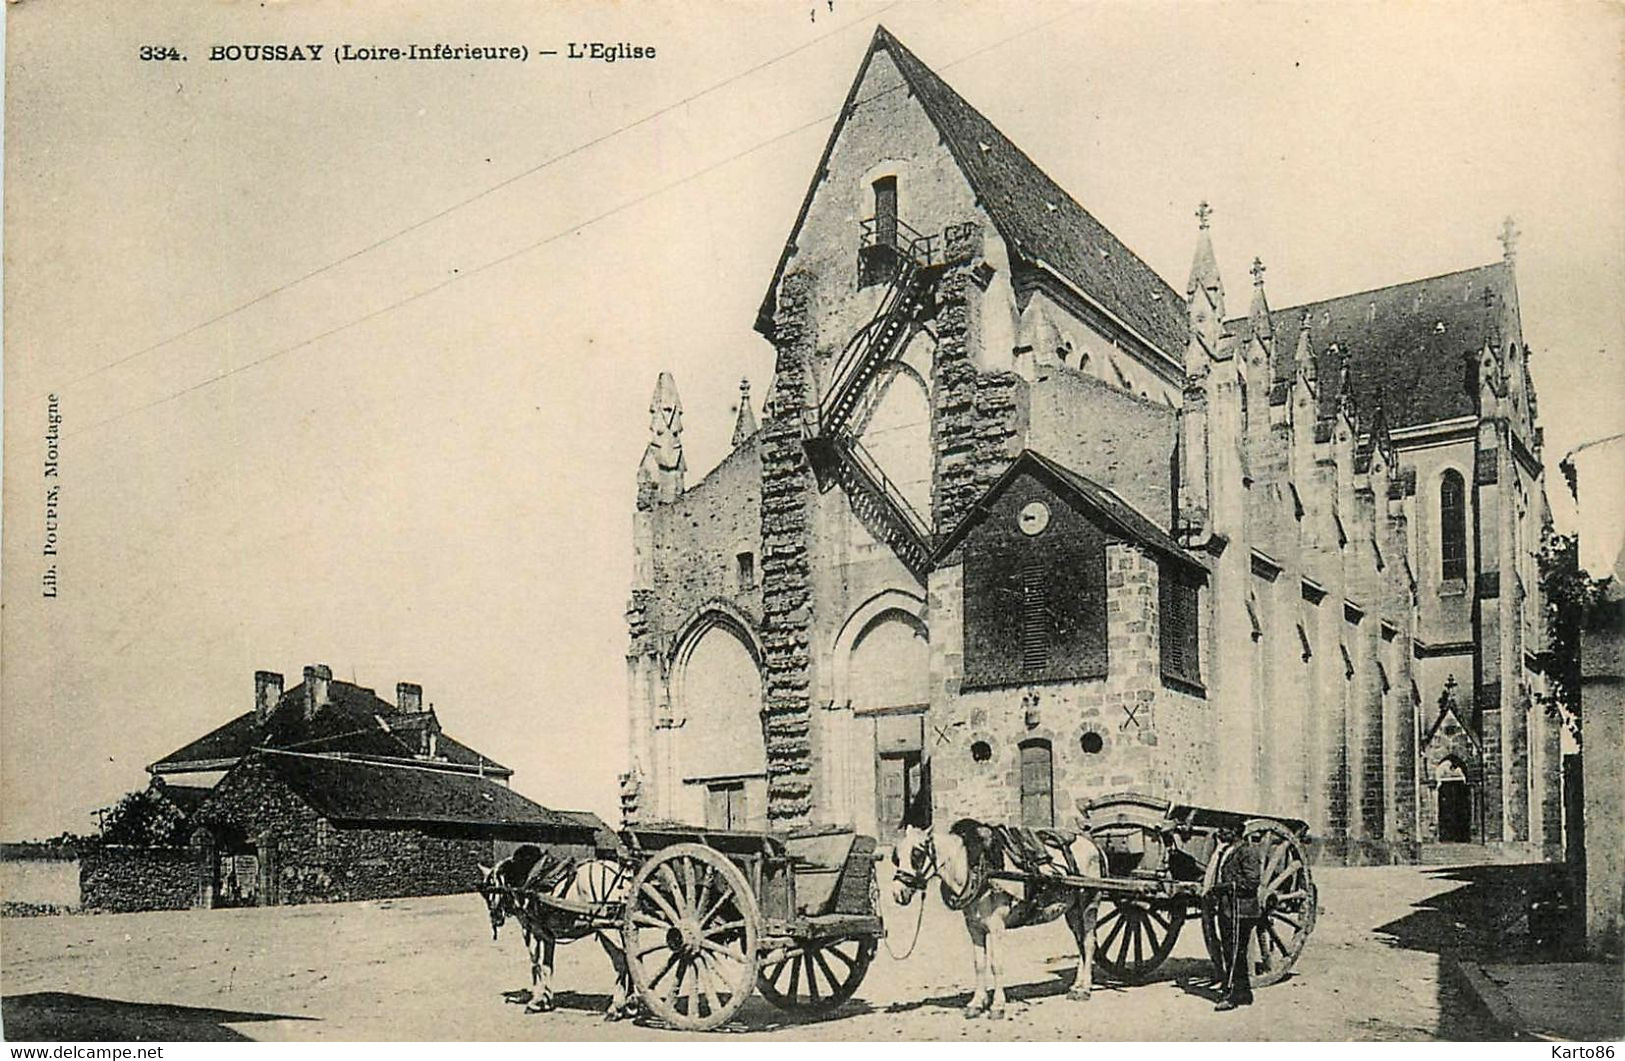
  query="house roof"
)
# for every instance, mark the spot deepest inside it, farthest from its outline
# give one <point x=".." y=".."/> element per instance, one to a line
<point x="1041" y="224"/>
<point x="1119" y="516"/>
<point x="1406" y="344"/>
<point x="355" y="720"/>
<point x="351" y="790"/>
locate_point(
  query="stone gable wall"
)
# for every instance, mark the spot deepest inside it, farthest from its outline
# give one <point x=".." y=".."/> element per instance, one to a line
<point x="1152" y="735"/>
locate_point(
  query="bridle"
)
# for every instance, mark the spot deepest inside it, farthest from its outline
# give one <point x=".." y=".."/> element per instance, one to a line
<point x="916" y="879"/>
<point x="500" y="902"/>
<point x="913" y="879"/>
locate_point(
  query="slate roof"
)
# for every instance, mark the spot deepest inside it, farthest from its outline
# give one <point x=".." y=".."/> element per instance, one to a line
<point x="347" y="723"/>
<point x="1407" y="344"/>
<point x="350" y="790"/>
<point x="1041" y="223"/>
<point x="1120" y="517"/>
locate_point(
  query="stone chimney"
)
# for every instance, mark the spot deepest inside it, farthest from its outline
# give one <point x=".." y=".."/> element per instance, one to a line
<point x="317" y="694"/>
<point x="267" y="691"/>
<point x="408" y="698"/>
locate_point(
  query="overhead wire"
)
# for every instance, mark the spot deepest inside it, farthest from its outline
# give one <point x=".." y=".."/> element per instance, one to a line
<point x="572" y="228"/>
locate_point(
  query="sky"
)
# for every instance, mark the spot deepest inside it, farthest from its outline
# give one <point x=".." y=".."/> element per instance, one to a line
<point x="354" y="360"/>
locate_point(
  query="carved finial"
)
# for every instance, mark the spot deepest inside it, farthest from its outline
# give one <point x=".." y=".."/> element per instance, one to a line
<point x="1203" y="212"/>
<point x="745" y="421"/>
<point x="663" y="465"/>
<point x="1448" y="697"/>
<point x="1305" y="353"/>
<point x="1509" y="239"/>
<point x="1258" y="272"/>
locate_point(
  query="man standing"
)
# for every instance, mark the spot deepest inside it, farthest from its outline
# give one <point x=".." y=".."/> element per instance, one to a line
<point x="1240" y="879"/>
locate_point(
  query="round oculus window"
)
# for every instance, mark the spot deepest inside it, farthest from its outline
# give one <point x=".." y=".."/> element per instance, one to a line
<point x="1034" y="518"/>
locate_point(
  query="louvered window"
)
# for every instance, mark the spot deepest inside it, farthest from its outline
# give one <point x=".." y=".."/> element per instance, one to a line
<point x="1181" y="650"/>
<point x="1035" y="604"/>
<point x="1035" y="620"/>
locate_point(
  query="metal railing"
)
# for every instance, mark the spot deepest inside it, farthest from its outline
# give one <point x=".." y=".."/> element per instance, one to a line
<point x="912" y="521"/>
<point x="902" y="238"/>
<point x="855" y="362"/>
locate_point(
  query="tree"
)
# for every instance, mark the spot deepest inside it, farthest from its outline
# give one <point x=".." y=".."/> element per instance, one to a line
<point x="144" y="819"/>
<point x="1570" y="595"/>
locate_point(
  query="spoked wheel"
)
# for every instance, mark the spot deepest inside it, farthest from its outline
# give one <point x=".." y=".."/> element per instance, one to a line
<point x="816" y="976"/>
<point x="1287" y="905"/>
<point x="1133" y="936"/>
<point x="691" y="927"/>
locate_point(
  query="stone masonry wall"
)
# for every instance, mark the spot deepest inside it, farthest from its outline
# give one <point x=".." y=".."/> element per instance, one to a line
<point x="317" y="861"/>
<point x="125" y="879"/>
<point x="787" y="498"/>
<point x="699" y="537"/>
<point x="979" y="417"/>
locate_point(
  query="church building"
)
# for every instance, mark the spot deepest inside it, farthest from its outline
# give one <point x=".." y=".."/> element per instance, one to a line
<point x="1022" y="525"/>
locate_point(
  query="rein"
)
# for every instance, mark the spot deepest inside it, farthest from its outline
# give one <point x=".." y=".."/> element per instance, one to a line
<point x="919" y="916"/>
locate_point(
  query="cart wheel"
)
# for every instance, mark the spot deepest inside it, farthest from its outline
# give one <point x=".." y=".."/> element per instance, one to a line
<point x="1133" y="936"/>
<point x="691" y="927"/>
<point x="1288" y="904"/>
<point x="816" y="976"/>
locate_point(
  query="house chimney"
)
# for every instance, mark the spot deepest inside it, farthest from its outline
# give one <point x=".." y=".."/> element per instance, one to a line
<point x="408" y="698"/>
<point x="316" y="690"/>
<point x="267" y="691"/>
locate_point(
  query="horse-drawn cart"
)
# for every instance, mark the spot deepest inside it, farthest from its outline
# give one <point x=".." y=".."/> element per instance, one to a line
<point x="1166" y="862"/>
<point x="710" y="914"/>
<point x="707" y="916"/>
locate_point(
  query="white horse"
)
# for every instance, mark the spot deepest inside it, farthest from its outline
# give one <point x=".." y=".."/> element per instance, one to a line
<point x="961" y="858"/>
<point x="515" y="888"/>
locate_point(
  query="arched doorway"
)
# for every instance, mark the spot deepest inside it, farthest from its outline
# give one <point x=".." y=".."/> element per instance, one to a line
<point x="721" y="757"/>
<point x="1455" y="804"/>
<point x="887" y="681"/>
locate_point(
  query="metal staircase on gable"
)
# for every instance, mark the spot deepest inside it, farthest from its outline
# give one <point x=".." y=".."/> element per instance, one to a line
<point x="880" y="506"/>
<point x="906" y="298"/>
<point x="832" y="447"/>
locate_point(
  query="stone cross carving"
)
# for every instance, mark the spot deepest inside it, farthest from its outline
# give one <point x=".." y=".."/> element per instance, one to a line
<point x="1509" y="239"/>
<point x="1203" y="212"/>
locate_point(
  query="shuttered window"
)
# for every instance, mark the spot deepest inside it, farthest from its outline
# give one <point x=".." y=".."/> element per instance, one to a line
<point x="1037" y="784"/>
<point x="1176" y="606"/>
<point x="725" y="806"/>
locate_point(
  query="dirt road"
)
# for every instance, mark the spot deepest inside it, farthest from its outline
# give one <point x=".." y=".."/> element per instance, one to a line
<point x="427" y="969"/>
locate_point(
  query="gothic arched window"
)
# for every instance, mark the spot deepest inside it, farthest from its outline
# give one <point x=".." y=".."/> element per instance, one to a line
<point x="1452" y="526"/>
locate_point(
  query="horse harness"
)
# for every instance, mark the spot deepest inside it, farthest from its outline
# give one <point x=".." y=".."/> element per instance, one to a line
<point x="986" y="846"/>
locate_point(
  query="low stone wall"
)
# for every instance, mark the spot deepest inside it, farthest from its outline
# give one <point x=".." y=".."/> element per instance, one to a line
<point x="124" y="879"/>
